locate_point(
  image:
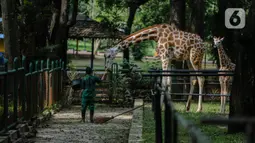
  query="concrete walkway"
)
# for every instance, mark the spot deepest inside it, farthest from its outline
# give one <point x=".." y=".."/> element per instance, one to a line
<point x="64" y="127"/>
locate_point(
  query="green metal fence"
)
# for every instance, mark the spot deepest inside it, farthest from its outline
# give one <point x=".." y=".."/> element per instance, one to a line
<point x="27" y="89"/>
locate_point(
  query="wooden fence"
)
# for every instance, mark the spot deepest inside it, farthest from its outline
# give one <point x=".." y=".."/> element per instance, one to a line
<point x="25" y="91"/>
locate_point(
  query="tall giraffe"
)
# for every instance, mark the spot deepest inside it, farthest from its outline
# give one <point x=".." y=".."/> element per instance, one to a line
<point x="225" y="65"/>
<point x="172" y="44"/>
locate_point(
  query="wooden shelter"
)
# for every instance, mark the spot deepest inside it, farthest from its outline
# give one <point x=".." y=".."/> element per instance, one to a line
<point x="91" y="29"/>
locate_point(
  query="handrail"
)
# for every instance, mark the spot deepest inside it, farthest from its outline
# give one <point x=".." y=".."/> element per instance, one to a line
<point x="188" y="71"/>
<point x="188" y="74"/>
<point x="172" y="119"/>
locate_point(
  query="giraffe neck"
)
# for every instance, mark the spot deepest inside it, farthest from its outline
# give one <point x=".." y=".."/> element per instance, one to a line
<point x="224" y="59"/>
<point x="149" y="33"/>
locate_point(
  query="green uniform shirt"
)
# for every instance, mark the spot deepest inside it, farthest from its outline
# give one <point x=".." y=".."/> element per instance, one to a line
<point x="89" y="85"/>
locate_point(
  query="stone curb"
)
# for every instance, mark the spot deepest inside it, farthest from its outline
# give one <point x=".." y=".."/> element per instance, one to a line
<point x="136" y="129"/>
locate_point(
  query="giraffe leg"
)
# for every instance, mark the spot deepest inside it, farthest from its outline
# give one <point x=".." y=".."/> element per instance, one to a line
<point x="192" y="86"/>
<point x="169" y="81"/>
<point x="196" y="58"/>
<point x="165" y="63"/>
<point x="226" y="88"/>
<point x="221" y="92"/>
<point x="201" y="86"/>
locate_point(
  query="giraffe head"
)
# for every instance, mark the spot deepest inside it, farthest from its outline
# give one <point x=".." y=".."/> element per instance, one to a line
<point x="217" y="41"/>
<point x="109" y="56"/>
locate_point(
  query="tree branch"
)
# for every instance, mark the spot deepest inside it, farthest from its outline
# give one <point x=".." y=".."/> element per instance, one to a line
<point x="72" y="20"/>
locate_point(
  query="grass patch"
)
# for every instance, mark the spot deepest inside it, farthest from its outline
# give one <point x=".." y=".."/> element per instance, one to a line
<point x="71" y="44"/>
<point x="10" y="109"/>
<point x="217" y="134"/>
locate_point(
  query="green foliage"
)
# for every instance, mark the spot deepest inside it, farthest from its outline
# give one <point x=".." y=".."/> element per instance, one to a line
<point x="52" y="109"/>
<point x="152" y="12"/>
<point x="146" y="48"/>
<point x="124" y="84"/>
<point x="152" y="64"/>
<point x="137" y="53"/>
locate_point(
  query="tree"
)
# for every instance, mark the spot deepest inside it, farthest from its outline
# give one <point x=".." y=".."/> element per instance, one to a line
<point x="132" y="5"/>
<point x="242" y="98"/>
<point x="177" y="13"/>
<point x="177" y="17"/>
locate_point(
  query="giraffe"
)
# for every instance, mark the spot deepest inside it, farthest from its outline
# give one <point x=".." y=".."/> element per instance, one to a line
<point x="225" y="65"/>
<point x="172" y="44"/>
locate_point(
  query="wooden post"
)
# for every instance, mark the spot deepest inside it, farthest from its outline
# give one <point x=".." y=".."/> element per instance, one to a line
<point x="84" y="44"/>
<point x="158" y="119"/>
<point x="92" y="54"/>
<point x="77" y="46"/>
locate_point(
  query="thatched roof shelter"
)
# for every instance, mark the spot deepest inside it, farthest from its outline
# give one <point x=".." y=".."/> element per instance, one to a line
<point x="89" y="28"/>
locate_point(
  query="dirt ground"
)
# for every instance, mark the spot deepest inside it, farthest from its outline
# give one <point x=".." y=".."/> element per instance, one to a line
<point x="65" y="127"/>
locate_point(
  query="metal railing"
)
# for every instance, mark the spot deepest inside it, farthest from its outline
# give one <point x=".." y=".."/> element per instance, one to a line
<point x="26" y="92"/>
<point x="187" y="73"/>
<point x="173" y="119"/>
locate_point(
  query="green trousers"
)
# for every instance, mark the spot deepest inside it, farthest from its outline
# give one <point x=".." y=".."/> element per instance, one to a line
<point x="88" y="102"/>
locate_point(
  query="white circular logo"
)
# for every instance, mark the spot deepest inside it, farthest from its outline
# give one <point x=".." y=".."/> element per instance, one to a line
<point x="235" y="18"/>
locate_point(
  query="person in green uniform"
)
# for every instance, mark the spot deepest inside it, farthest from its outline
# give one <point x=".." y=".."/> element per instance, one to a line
<point x="89" y="93"/>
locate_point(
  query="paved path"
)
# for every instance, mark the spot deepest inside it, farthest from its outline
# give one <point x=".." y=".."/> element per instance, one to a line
<point x="64" y="127"/>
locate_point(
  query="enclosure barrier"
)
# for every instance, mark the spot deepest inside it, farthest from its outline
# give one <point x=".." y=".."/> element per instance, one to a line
<point x="27" y="89"/>
<point x="172" y="117"/>
<point x="183" y="73"/>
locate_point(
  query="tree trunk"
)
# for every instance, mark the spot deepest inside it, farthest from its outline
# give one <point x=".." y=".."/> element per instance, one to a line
<point x="177" y="17"/>
<point x="200" y="13"/>
<point x="10" y="29"/>
<point x="242" y="99"/>
<point x="132" y="11"/>
<point x="177" y="13"/>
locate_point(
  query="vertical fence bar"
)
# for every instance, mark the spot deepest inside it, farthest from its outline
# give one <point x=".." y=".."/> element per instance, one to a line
<point x="250" y="133"/>
<point x="5" y="114"/>
<point x="48" y="83"/>
<point x="30" y="105"/>
<point x="24" y="93"/>
<point x="56" y="81"/>
<point x="62" y="75"/>
<point x="58" y="86"/>
<point x="167" y="119"/>
<point x="42" y="93"/>
<point x="52" y="83"/>
<point x="171" y="116"/>
<point x="28" y="87"/>
<point x="175" y="127"/>
<point x="158" y="119"/>
<point x="15" y="88"/>
<point x="36" y="87"/>
<point x="110" y="85"/>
